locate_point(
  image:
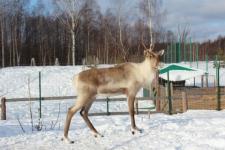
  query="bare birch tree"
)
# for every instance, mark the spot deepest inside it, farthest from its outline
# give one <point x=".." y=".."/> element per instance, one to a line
<point x="183" y="32"/>
<point x="120" y="10"/>
<point x="70" y="13"/>
<point x="152" y="14"/>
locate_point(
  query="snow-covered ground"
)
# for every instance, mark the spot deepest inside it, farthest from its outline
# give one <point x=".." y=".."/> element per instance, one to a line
<point x="194" y="129"/>
<point x="191" y="130"/>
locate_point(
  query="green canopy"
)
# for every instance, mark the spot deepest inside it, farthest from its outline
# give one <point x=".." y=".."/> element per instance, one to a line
<point x="174" y="67"/>
<point x="179" y="72"/>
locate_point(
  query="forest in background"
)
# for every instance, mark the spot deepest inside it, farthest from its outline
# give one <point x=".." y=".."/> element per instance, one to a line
<point x="79" y="31"/>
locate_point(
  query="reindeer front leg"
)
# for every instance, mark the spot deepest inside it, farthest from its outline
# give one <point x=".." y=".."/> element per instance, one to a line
<point x="134" y="128"/>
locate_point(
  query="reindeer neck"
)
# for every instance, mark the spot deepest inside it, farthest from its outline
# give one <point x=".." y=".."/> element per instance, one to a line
<point x="146" y="71"/>
<point x="146" y="65"/>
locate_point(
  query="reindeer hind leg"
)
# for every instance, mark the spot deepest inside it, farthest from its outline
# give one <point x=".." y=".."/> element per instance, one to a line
<point x="84" y="114"/>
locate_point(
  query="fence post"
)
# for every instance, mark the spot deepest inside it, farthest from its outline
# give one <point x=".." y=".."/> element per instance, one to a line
<point x="179" y="50"/>
<point x="171" y="53"/>
<point x="184" y="51"/>
<point x="158" y="95"/>
<point x="190" y="53"/>
<point x="169" y="94"/>
<point x="107" y="106"/>
<point x="194" y="81"/>
<point x="184" y="101"/>
<point x="197" y="53"/>
<point x="158" y="107"/>
<point x="207" y="80"/>
<point x="39" y="95"/>
<point x="207" y="70"/>
<point x="3" y="109"/>
<point x="202" y="81"/>
<point x="218" y="85"/>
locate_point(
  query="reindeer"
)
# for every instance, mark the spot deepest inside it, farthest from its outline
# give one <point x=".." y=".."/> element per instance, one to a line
<point x="127" y="78"/>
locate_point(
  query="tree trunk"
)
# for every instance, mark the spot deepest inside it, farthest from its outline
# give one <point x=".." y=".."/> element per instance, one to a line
<point x="69" y="56"/>
<point x="121" y="40"/>
<point x="18" y="58"/>
<point x="14" y="45"/>
<point x="10" y="50"/>
<point x="72" y="31"/>
<point x="73" y="47"/>
<point x="150" y="21"/>
<point x="105" y="51"/>
<point x="88" y="42"/>
<point x="3" y="46"/>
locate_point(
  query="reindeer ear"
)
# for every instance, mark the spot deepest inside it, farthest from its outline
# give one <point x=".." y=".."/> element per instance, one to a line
<point x="161" y="52"/>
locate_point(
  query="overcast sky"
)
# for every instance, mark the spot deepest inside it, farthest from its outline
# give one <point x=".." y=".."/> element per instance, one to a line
<point x="205" y="17"/>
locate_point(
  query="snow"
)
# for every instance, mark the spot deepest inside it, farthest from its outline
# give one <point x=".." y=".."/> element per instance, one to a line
<point x="211" y="72"/>
<point x="191" y="130"/>
<point x="195" y="129"/>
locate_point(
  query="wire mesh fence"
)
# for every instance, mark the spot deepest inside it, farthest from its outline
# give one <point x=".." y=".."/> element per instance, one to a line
<point x="197" y="98"/>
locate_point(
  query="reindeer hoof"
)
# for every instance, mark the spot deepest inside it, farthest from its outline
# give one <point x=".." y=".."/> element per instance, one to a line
<point x="71" y="142"/>
<point x="97" y="135"/>
<point x="134" y="130"/>
<point x="66" y="140"/>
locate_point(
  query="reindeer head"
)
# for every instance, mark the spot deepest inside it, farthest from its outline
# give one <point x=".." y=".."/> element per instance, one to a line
<point x="153" y="57"/>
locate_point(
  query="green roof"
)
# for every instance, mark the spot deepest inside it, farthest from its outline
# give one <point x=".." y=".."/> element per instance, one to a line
<point x="174" y="67"/>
